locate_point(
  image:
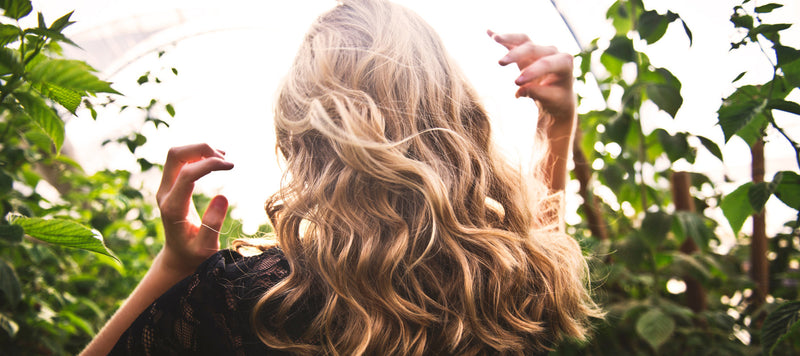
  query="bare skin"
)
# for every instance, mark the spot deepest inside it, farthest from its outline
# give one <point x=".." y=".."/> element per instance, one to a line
<point x="189" y="239"/>
<point x="546" y="77"/>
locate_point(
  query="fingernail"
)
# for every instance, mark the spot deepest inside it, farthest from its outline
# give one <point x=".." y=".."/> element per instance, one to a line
<point x="505" y="60"/>
<point x="520" y="80"/>
<point x="218" y="203"/>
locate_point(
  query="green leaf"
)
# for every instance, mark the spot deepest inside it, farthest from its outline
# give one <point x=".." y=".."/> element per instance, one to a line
<point x="48" y="33"/>
<point x="788" y="189"/>
<point x="763" y="9"/>
<point x="8" y="325"/>
<point x="612" y="64"/>
<point x="170" y="110"/>
<point x="174" y="71"/>
<point x="739" y="109"/>
<point x="79" y="322"/>
<point x="6" y="183"/>
<point x="655" y="327"/>
<point x="37" y="138"/>
<point x="791" y="71"/>
<point x="655" y="227"/>
<point x="779" y="324"/>
<point x="620" y="17"/>
<point x="622" y="47"/>
<point x="666" y="97"/>
<point x="62" y="23"/>
<point x="40" y="19"/>
<point x="633" y="249"/>
<point x="69" y="99"/>
<point x="68" y="74"/>
<point x="63" y="232"/>
<point x="156" y="122"/>
<point x="613" y="176"/>
<point x="736" y="207"/>
<point x="43" y="115"/>
<point x="692" y="225"/>
<point x="9" y="284"/>
<point x="739" y="77"/>
<point x="11" y="233"/>
<point x="618" y="127"/>
<point x="784" y="105"/>
<point x="144" y="164"/>
<point x="687" y="31"/>
<point x="711" y="147"/>
<point x="653" y="25"/>
<point x="754" y="130"/>
<point x="769" y="31"/>
<point x="16" y="9"/>
<point x="689" y="265"/>
<point x="10" y="62"/>
<point x="9" y="34"/>
<point x="759" y="193"/>
<point x="676" y="146"/>
<point x="785" y="54"/>
<point x="743" y="21"/>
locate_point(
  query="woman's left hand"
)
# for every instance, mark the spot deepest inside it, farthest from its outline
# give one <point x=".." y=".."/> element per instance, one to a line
<point x="189" y="239"/>
<point x="546" y="74"/>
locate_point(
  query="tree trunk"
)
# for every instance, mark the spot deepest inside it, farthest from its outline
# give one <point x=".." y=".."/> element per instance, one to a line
<point x="583" y="172"/>
<point x="759" y="266"/>
<point x="695" y="294"/>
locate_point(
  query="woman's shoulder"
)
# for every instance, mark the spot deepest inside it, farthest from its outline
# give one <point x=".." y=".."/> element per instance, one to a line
<point x="248" y="276"/>
<point x="209" y="311"/>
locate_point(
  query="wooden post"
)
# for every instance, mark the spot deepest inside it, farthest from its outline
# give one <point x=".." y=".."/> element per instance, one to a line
<point x="759" y="266"/>
<point x="695" y="294"/>
<point x="583" y="172"/>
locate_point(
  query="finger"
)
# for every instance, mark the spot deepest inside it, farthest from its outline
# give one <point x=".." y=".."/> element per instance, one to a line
<point x="509" y="40"/>
<point x="177" y="157"/>
<point x="543" y="94"/>
<point x="557" y="66"/>
<point x="180" y="196"/>
<point x="208" y="236"/>
<point x="526" y="54"/>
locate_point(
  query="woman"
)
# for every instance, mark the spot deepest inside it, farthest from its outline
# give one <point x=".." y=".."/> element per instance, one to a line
<point x="400" y="230"/>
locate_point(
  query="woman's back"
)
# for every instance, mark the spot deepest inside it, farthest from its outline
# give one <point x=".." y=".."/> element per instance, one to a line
<point x="397" y="210"/>
<point x="402" y="230"/>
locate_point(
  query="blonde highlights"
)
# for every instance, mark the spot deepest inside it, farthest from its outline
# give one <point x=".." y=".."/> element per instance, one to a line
<point x="406" y="232"/>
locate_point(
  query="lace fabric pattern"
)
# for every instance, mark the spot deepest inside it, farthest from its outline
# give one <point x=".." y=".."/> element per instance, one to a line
<point x="208" y="313"/>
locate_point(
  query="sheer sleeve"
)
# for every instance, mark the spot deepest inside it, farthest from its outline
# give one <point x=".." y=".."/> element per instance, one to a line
<point x="209" y="311"/>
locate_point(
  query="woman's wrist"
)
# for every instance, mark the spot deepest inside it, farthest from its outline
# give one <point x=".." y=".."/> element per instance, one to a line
<point x="171" y="267"/>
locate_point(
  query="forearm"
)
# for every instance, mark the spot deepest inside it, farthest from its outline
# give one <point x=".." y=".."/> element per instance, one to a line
<point x="157" y="281"/>
<point x="559" y="131"/>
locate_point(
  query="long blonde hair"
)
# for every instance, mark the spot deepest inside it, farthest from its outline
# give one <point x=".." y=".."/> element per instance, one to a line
<point x="405" y="231"/>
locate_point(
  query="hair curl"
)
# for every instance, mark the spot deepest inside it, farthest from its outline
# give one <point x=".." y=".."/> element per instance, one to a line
<point x="406" y="232"/>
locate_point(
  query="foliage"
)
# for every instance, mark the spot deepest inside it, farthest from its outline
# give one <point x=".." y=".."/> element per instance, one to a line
<point x="53" y="297"/>
<point x="648" y="233"/>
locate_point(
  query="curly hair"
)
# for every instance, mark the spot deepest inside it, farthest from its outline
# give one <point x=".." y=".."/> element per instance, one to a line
<point x="407" y="233"/>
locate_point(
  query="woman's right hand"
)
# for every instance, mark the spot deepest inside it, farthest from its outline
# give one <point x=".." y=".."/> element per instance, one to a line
<point x="189" y="239"/>
<point x="546" y="74"/>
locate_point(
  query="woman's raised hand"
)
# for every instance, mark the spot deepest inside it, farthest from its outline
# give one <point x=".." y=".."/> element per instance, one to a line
<point x="546" y="74"/>
<point x="189" y="239"/>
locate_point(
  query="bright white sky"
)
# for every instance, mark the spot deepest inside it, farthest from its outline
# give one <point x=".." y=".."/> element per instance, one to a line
<point x="231" y="55"/>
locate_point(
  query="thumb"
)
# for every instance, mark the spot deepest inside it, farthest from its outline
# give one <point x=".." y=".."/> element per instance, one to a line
<point x="213" y="219"/>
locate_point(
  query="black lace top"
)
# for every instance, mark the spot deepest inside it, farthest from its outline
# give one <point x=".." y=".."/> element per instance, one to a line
<point x="208" y="313"/>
